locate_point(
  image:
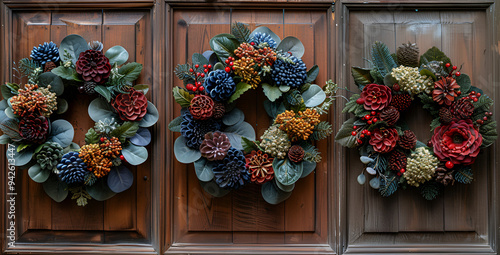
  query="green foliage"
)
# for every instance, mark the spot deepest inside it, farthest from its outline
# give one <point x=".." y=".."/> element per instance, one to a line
<point x="80" y="194"/>
<point x="7" y="92"/>
<point x="428" y="104"/>
<point x="272" y="92"/>
<point x="312" y="74"/>
<point x="344" y="136"/>
<point x="125" y="130"/>
<point x="379" y="163"/>
<point x="362" y="76"/>
<point x="434" y="54"/>
<point x="388" y="185"/>
<point x="249" y="145"/>
<point x="104" y="92"/>
<point x="377" y="76"/>
<point x="352" y="106"/>
<point x="311" y="153"/>
<point x="183" y="73"/>
<point x="382" y="58"/>
<point x="91" y="136"/>
<point x="395" y="57"/>
<point x="27" y="66"/>
<point x="430" y="190"/>
<point x="294" y="98"/>
<point x="241" y="88"/>
<point x="66" y="73"/>
<point x="90" y="179"/>
<point x="465" y="83"/>
<point x="322" y="130"/>
<point x="428" y="73"/>
<point x="464" y="175"/>
<point x="489" y="132"/>
<point x="224" y="45"/>
<point x="286" y="171"/>
<point x="175" y="124"/>
<point x="240" y="31"/>
<point x="435" y="123"/>
<point x="482" y="105"/>
<point x="182" y="97"/>
<point x="130" y="71"/>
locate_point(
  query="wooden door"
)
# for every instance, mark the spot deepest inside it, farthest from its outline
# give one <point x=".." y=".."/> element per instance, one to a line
<point x="242" y="220"/>
<point x="460" y="219"/>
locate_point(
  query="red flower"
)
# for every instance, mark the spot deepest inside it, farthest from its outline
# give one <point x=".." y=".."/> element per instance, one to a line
<point x="34" y="129"/>
<point x="260" y="166"/>
<point x="92" y="65"/>
<point x="132" y="106"/>
<point x="376" y="97"/>
<point x="457" y="142"/>
<point x="384" y="140"/>
<point x="202" y="107"/>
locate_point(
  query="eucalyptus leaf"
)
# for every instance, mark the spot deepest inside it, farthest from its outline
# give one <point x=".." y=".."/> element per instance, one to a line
<point x="199" y="59"/>
<point x="100" y="191"/>
<point x="71" y="147"/>
<point x="234" y="117"/>
<point x="307" y="168"/>
<point x="203" y="169"/>
<point x="314" y="96"/>
<point x="141" y="138"/>
<point x="175" y="124"/>
<point x="375" y="183"/>
<point x="65" y="72"/>
<point x="117" y="54"/>
<point x="366" y="159"/>
<point x="55" y="188"/>
<point x="312" y="74"/>
<point x="6" y="91"/>
<point x="135" y="155"/>
<point x="241" y="88"/>
<point x="38" y="174"/>
<point x="10" y="127"/>
<point x="235" y="132"/>
<point x="272" y="194"/>
<point x="183" y="153"/>
<point x="213" y="189"/>
<point x="292" y="45"/>
<point x="211" y="56"/>
<point x="62" y="132"/>
<point x="267" y="31"/>
<point x="9" y="113"/>
<point x="74" y="45"/>
<point x="272" y="92"/>
<point x="285" y="188"/>
<point x="151" y="116"/>
<point x="20" y="158"/>
<point x="273" y="108"/>
<point x="99" y="109"/>
<point x="361" y="179"/>
<point x="55" y="82"/>
<point x="62" y="105"/>
<point x="371" y="171"/>
<point x="103" y="91"/>
<point x="219" y="66"/>
<point x="284" y="88"/>
<point x="120" y="179"/>
<point x="286" y="171"/>
<point x="5" y="139"/>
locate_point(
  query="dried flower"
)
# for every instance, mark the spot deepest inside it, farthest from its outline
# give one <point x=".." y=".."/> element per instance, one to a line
<point x="231" y="172"/>
<point x="410" y="80"/>
<point x="445" y="90"/>
<point x="32" y="100"/>
<point x="244" y="68"/>
<point x="420" y="167"/>
<point x="132" y="106"/>
<point x="202" y="107"/>
<point x="300" y="126"/>
<point x="275" y="142"/>
<point x="215" y="146"/>
<point x="376" y="97"/>
<point x="92" y="65"/>
<point x="260" y="166"/>
<point x="34" y="129"/>
<point x="96" y="161"/>
<point x="384" y="140"/>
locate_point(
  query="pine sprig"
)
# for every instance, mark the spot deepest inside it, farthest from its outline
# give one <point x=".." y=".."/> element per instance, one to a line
<point x="183" y="73"/>
<point x="81" y="195"/>
<point x="430" y="190"/>
<point x="240" y="31"/>
<point x="311" y="153"/>
<point x="322" y="130"/>
<point x="27" y="66"/>
<point x="429" y="104"/>
<point x="388" y="185"/>
<point x="464" y="175"/>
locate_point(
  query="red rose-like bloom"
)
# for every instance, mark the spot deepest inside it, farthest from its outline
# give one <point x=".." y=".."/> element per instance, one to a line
<point x="92" y="65"/>
<point x="384" y="140"/>
<point x="34" y="128"/>
<point x="376" y="97"/>
<point x="458" y="142"/>
<point x="132" y="106"/>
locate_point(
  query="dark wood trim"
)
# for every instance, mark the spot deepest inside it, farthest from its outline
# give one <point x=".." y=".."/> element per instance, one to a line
<point x="21" y="4"/>
<point x="250" y="249"/>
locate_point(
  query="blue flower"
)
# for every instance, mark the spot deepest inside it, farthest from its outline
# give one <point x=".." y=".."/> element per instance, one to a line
<point x="45" y="53"/>
<point x="72" y="169"/>
<point x="219" y="85"/>
<point x="259" y="38"/>
<point x="194" y="130"/>
<point x="289" y="71"/>
<point x="231" y="172"/>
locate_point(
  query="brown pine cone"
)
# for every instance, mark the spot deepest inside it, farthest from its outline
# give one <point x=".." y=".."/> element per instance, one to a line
<point x="296" y="153"/>
<point x="401" y="101"/>
<point x="445" y="91"/>
<point x="444" y="176"/>
<point x="219" y="110"/>
<point x="445" y="115"/>
<point x="202" y="107"/>
<point x="462" y="108"/>
<point x="397" y="160"/>
<point x="49" y="66"/>
<point x="408" y="140"/>
<point x="89" y="87"/>
<point x="408" y="54"/>
<point x="390" y="115"/>
<point x="215" y="146"/>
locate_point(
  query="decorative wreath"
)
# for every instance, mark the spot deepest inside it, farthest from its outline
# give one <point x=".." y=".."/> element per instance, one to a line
<point x="462" y="123"/>
<point x="31" y="120"/>
<point x="215" y="137"/>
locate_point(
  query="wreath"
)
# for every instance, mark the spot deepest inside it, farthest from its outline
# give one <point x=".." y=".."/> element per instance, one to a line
<point x="214" y="136"/>
<point x="31" y="119"/>
<point x="461" y="127"/>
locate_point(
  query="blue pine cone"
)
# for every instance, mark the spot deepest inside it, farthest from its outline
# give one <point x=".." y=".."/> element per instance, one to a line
<point x="72" y="169"/>
<point x="259" y="38"/>
<point x="48" y="52"/>
<point x="219" y="85"/>
<point x="289" y="71"/>
<point x="194" y="130"/>
<point x="231" y="172"/>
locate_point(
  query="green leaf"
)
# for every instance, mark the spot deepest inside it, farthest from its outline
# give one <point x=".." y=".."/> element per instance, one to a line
<point x="351" y="106"/>
<point x="5" y="139"/>
<point x="248" y="145"/>
<point x="362" y="76"/>
<point x="213" y="189"/>
<point x="389" y="80"/>
<point x="99" y="109"/>
<point x="307" y="168"/>
<point x="465" y="83"/>
<point x="344" y="136"/>
<point x="273" y="108"/>
<point x="489" y="132"/>
<point x="284" y="88"/>
<point x="182" y="97"/>
<point x="234" y="117"/>
<point x="10" y="127"/>
<point x="203" y="169"/>
<point x="56" y="84"/>
<point x="120" y="179"/>
<point x="224" y="45"/>
<point x="235" y="132"/>
<point x="125" y="130"/>
<point x="91" y="136"/>
<point x="382" y="58"/>
<point x="219" y="66"/>
<point x="285" y="188"/>
<point x="175" y="124"/>
<point x="272" y="194"/>
<point x="117" y="54"/>
<point x="38" y="174"/>
<point x="183" y="153"/>
<point x="314" y="96"/>
<point x="263" y="29"/>
<point x="428" y="73"/>
<point x="131" y="71"/>
<point x="241" y="87"/>
<point x="55" y="189"/>
<point x="103" y="91"/>
<point x="199" y="59"/>
<point x="388" y="186"/>
<point x="311" y="74"/>
<point x="74" y="45"/>
<point x="62" y="105"/>
<point x="141" y="138"/>
<point x="62" y="132"/>
<point x="183" y="73"/>
<point x="322" y="130"/>
<point x="292" y="45"/>
<point x="464" y="175"/>
<point x="21" y="158"/>
<point x="135" y="155"/>
<point x="483" y="104"/>
<point x="22" y="146"/>
<point x="100" y="191"/>
<point x="286" y="171"/>
<point x="144" y="88"/>
<point x="6" y="92"/>
<point x="65" y="73"/>
<point x="240" y="32"/>
<point x="428" y="104"/>
<point x="435" y="123"/>
<point x="377" y="77"/>
<point x="272" y="92"/>
<point x="152" y="116"/>
<point x="434" y="54"/>
<point x="71" y="147"/>
<point x="430" y="190"/>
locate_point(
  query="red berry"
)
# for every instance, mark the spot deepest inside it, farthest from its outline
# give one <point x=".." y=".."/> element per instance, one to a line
<point x="485" y="118"/>
<point x="429" y="143"/>
<point x="227" y="61"/>
<point x="402" y="170"/>
<point x="367" y="117"/>
<point x="368" y="133"/>
<point x="396" y="87"/>
<point x="360" y="142"/>
<point x="201" y="88"/>
<point x="189" y="86"/>
<point x="459" y="92"/>
<point x="191" y="70"/>
<point x="355" y="127"/>
<point x="457" y="74"/>
<point x="194" y="88"/>
<point x="373" y="113"/>
<point x="364" y="131"/>
<point x="480" y="122"/>
<point x="374" y="120"/>
<point x="233" y="68"/>
<point x="252" y="43"/>
<point x="454" y="67"/>
<point x="227" y="69"/>
<point x="449" y="164"/>
<point x="81" y="89"/>
<point x="369" y="122"/>
<point x="209" y="66"/>
<point x="231" y="63"/>
<point x="474" y="99"/>
<point x="448" y="65"/>
<point x="353" y="133"/>
<point x="196" y="66"/>
<point x="399" y="174"/>
<point x="473" y="92"/>
<point x="360" y="101"/>
<point x="122" y="157"/>
<point x="198" y="74"/>
<point x="478" y="94"/>
<point x="362" y="136"/>
<point x="363" y="118"/>
<point x="205" y="66"/>
<point x="202" y="75"/>
<point x="102" y="139"/>
<point x="206" y="70"/>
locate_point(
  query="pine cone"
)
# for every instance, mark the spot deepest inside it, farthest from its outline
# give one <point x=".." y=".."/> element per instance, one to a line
<point x="390" y="115"/>
<point x="444" y="176"/>
<point x="95" y="45"/>
<point x="89" y="87"/>
<point x="49" y="155"/>
<point x="72" y="169"/>
<point x="92" y="65"/>
<point x="215" y="146"/>
<point x="49" y="66"/>
<point x="34" y="129"/>
<point x="462" y="108"/>
<point x="296" y="153"/>
<point x="397" y="161"/>
<point x="408" y="54"/>
<point x="445" y="115"/>
<point x="408" y="140"/>
<point x="201" y="107"/>
<point x="219" y="110"/>
<point x="45" y="53"/>
<point x="401" y="101"/>
<point x="445" y="91"/>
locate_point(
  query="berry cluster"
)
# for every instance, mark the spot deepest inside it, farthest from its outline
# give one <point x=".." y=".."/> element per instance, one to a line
<point x="453" y="69"/>
<point x="229" y="62"/>
<point x="199" y="77"/>
<point x="360" y="133"/>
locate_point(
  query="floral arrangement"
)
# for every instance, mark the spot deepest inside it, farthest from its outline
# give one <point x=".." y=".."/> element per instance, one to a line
<point x="214" y="136"/>
<point x="461" y="127"/>
<point x="30" y="119"/>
